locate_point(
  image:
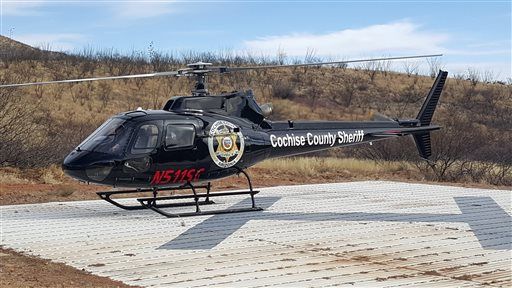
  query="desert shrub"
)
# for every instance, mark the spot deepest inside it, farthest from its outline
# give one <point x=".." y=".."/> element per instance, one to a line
<point x="283" y="90"/>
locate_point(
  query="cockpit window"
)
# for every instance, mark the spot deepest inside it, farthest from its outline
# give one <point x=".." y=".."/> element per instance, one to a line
<point x="179" y="135"/>
<point x="111" y="137"/>
<point x="147" y="139"/>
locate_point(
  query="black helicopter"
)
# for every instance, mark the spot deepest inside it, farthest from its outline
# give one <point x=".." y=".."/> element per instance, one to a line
<point x="196" y="139"/>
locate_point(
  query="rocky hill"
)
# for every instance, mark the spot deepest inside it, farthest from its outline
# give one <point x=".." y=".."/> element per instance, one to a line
<point x="14" y="50"/>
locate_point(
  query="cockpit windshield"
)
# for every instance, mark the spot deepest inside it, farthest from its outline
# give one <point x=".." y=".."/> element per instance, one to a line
<point x="111" y="137"/>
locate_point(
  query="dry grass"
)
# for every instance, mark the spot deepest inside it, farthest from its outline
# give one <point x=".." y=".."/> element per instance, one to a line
<point x="64" y="190"/>
<point x="11" y="175"/>
<point x="52" y="174"/>
<point x="311" y="166"/>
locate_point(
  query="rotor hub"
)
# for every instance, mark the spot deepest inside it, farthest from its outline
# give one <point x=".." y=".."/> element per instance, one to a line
<point x="199" y="70"/>
<point x="199" y="66"/>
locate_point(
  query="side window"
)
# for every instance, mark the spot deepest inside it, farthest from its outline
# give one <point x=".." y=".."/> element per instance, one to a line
<point x="179" y="136"/>
<point x="147" y="139"/>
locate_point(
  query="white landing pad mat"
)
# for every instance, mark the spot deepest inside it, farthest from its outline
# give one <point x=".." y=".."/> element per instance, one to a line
<point x="357" y="234"/>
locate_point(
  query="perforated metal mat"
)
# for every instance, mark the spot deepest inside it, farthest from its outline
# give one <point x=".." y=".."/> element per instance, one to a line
<point x="345" y="234"/>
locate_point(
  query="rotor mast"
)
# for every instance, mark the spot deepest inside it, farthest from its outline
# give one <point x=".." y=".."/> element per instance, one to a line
<point x="200" y="71"/>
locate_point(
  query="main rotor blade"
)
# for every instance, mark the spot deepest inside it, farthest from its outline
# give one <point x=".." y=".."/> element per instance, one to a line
<point x="157" y="74"/>
<point x="232" y="69"/>
<point x="219" y="69"/>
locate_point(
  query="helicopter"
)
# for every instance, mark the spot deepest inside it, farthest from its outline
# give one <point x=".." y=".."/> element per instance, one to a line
<point x="196" y="139"/>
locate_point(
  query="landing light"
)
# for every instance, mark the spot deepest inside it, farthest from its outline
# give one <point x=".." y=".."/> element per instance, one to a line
<point x="98" y="173"/>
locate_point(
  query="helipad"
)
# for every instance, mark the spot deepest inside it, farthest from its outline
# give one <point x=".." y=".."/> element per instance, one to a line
<point x="347" y="234"/>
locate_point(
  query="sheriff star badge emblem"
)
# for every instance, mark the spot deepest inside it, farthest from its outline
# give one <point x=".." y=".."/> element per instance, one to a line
<point x="226" y="147"/>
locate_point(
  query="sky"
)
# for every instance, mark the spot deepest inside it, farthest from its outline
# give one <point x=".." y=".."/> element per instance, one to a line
<point x="470" y="34"/>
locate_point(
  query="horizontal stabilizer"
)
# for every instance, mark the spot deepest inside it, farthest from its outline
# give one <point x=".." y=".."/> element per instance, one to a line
<point x="405" y="131"/>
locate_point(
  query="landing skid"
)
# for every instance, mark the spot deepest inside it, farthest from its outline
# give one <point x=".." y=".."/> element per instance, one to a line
<point x="151" y="202"/>
<point x="107" y="197"/>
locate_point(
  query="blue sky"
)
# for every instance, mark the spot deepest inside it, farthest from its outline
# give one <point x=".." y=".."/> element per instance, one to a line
<point x="471" y="34"/>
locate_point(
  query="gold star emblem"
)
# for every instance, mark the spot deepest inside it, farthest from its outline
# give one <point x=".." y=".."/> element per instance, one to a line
<point x="224" y="145"/>
<point x="222" y="150"/>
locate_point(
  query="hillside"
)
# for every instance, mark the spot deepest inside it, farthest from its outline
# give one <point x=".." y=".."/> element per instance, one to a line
<point x="10" y="44"/>
<point x="476" y="116"/>
<point x="12" y="50"/>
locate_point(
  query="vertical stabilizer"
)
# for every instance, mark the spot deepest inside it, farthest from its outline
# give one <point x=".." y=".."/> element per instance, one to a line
<point x="422" y="140"/>
<point x="430" y="104"/>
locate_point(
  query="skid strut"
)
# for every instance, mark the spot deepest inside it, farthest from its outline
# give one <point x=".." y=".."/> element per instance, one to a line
<point x="107" y="197"/>
<point x="151" y="202"/>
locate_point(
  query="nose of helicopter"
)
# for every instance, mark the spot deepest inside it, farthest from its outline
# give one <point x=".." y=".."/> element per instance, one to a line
<point x="73" y="167"/>
<point x="87" y="166"/>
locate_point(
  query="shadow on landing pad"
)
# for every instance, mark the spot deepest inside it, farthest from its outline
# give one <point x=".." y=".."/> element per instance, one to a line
<point x="493" y="233"/>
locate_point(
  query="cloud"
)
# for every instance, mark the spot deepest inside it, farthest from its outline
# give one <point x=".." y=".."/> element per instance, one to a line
<point x="142" y="9"/>
<point x="55" y="42"/>
<point x="397" y="37"/>
<point x="494" y="70"/>
<point x="16" y="8"/>
<point x="479" y="52"/>
<point x="483" y="48"/>
<point x="491" y="44"/>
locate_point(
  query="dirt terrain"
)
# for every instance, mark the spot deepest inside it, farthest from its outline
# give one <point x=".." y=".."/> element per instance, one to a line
<point x="71" y="190"/>
<point x="17" y="270"/>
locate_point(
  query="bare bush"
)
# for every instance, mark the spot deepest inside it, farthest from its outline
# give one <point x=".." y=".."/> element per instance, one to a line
<point x="372" y="68"/>
<point x="104" y="91"/>
<point x="283" y="90"/>
<point x="473" y="76"/>
<point x="454" y="145"/>
<point x="409" y="97"/>
<point x="434" y="65"/>
<point x="345" y="93"/>
<point x="411" y="67"/>
<point x="384" y="151"/>
<point x="19" y="133"/>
